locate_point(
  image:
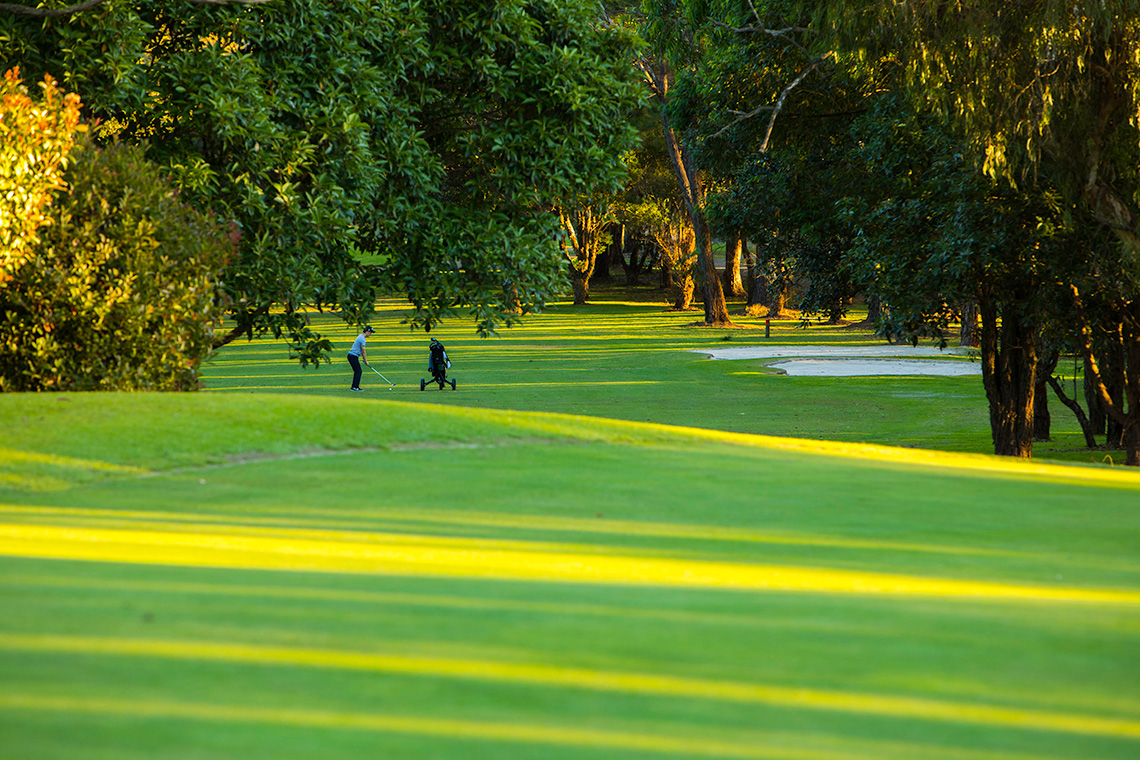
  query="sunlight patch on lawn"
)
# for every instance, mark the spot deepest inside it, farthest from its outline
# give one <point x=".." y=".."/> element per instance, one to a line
<point x="395" y="554"/>
<point x="285" y="517"/>
<point x="555" y="676"/>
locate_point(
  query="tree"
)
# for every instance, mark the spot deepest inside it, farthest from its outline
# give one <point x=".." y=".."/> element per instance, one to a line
<point x="24" y="10"/>
<point x="434" y="134"/>
<point x="673" y="44"/>
<point x="933" y="233"/>
<point x="118" y="292"/>
<point x="1107" y="313"/>
<point x="1043" y="97"/>
<point x="584" y="225"/>
<point x="650" y="186"/>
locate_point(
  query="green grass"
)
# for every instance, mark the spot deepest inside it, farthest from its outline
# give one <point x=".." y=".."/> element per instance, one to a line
<point x="279" y="569"/>
<point x="633" y="360"/>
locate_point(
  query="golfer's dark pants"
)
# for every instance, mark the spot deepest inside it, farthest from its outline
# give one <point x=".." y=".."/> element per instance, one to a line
<point x="356" y="371"/>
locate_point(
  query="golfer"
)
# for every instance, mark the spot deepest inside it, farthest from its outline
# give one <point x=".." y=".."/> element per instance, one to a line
<point x="357" y="354"/>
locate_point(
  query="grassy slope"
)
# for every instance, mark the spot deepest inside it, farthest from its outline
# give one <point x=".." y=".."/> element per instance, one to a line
<point x="475" y="654"/>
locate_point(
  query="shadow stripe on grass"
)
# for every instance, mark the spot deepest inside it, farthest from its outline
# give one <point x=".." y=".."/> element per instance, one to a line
<point x="552" y="676"/>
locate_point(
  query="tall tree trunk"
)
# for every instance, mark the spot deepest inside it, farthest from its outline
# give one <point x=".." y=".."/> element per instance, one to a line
<point x="685" y="291"/>
<point x="968" y="333"/>
<point x="581" y="288"/>
<point x="872" y="317"/>
<point x="777" y="298"/>
<point x="733" y="246"/>
<point x="1098" y="419"/>
<point x="1123" y="350"/>
<point x="659" y="77"/>
<point x="1042" y="420"/>
<point x="633" y="259"/>
<point x="1009" y="368"/>
<point x="1112" y="373"/>
<point x="692" y="191"/>
<point x="757" y="284"/>
<point x="667" y="279"/>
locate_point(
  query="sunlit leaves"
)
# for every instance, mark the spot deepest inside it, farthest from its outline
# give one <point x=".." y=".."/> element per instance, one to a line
<point x="119" y="293"/>
<point x="36" y="135"/>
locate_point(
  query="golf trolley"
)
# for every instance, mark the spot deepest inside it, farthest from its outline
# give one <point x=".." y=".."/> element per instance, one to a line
<point x="438" y="364"/>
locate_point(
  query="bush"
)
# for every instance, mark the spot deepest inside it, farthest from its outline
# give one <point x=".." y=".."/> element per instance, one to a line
<point x="120" y="291"/>
<point x="35" y="140"/>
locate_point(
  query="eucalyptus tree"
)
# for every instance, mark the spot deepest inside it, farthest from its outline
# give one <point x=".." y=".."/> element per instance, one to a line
<point x="1047" y="94"/>
<point x="434" y="134"/>
<point x="674" y="51"/>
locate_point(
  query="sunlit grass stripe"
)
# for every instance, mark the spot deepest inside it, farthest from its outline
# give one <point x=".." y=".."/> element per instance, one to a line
<point x="657" y="742"/>
<point x="468" y="558"/>
<point x="13" y="456"/>
<point x="286" y="516"/>
<point x="288" y="534"/>
<point x="471" y="558"/>
<point x="957" y="461"/>
<point x="645" y="684"/>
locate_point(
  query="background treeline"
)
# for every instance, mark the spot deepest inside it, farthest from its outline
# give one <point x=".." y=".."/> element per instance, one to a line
<point x="966" y="168"/>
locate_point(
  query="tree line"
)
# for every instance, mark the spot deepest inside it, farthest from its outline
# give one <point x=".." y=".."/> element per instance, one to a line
<point x="970" y="164"/>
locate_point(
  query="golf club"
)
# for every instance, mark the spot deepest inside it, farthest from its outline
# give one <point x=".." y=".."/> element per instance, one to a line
<point x="391" y="385"/>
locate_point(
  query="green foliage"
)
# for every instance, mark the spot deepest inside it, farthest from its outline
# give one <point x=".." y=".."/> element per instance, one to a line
<point x="35" y="140"/>
<point x="930" y="232"/>
<point x="1037" y="88"/>
<point x="433" y="136"/>
<point x="120" y="291"/>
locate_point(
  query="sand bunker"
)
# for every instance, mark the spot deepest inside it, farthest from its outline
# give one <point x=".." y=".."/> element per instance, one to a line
<point x="852" y="361"/>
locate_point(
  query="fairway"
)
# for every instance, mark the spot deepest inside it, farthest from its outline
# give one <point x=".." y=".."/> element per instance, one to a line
<point x="275" y="569"/>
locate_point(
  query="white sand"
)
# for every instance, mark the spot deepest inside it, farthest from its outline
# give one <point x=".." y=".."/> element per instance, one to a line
<point x="871" y="367"/>
<point x="852" y="361"/>
<point x="783" y="352"/>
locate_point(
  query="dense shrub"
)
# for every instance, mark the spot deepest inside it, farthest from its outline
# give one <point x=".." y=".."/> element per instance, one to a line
<point x="120" y="290"/>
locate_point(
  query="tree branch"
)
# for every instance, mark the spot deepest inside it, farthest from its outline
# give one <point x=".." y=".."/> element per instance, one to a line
<point x="1075" y="408"/>
<point x="24" y="10"/>
<point x="775" y="109"/>
<point x="1085" y="344"/>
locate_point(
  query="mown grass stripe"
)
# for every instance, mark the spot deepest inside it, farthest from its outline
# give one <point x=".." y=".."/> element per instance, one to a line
<point x="361" y="517"/>
<point x="420" y="726"/>
<point x="469" y="558"/>
<point x="334" y="595"/>
<point x="645" y="684"/>
<point x="753" y="746"/>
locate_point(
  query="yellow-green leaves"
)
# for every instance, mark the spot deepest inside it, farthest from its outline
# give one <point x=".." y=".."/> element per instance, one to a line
<point x="35" y="139"/>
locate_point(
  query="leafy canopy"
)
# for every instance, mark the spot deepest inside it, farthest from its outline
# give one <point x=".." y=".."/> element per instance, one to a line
<point x="434" y="135"/>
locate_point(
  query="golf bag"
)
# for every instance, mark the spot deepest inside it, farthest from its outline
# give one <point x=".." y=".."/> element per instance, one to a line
<point x="438" y="364"/>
